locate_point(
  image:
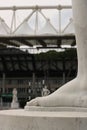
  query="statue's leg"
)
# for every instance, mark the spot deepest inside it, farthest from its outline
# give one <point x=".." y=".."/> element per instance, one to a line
<point x="74" y="93"/>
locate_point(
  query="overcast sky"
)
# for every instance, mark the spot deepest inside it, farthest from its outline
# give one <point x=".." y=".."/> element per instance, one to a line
<point x="33" y="2"/>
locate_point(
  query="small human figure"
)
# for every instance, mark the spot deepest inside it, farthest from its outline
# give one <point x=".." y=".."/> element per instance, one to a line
<point x="15" y="103"/>
<point x="45" y="91"/>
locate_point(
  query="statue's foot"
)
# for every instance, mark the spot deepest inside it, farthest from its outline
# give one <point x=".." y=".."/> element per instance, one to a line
<point x="69" y="95"/>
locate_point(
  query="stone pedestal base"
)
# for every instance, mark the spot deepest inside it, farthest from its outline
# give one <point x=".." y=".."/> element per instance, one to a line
<point x="55" y="109"/>
<point x="40" y="120"/>
<point x="14" y="105"/>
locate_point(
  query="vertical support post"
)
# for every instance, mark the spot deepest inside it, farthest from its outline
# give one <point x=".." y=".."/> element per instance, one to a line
<point x="64" y="78"/>
<point x="3" y="83"/>
<point x="14" y="19"/>
<point x="36" y="21"/>
<point x="33" y="83"/>
<point x="64" y="68"/>
<point x="13" y="23"/>
<point x="59" y="21"/>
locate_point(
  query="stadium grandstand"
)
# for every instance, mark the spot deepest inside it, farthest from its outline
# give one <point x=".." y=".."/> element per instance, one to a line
<point x="36" y="51"/>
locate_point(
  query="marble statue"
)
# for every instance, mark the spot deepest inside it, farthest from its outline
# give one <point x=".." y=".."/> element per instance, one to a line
<point x="73" y="93"/>
<point x="45" y="91"/>
<point x="71" y="96"/>
<point x="14" y="104"/>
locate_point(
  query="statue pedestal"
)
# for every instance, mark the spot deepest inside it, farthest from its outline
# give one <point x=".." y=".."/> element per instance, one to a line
<point x="42" y="120"/>
<point x="14" y="105"/>
<point x="55" y="109"/>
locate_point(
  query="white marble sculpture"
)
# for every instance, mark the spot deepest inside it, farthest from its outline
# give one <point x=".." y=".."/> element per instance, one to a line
<point x="74" y="93"/>
<point x="14" y="104"/>
<point x="45" y="91"/>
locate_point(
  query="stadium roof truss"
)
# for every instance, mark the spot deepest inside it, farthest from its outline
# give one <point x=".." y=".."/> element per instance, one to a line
<point x="31" y="32"/>
<point x="39" y="41"/>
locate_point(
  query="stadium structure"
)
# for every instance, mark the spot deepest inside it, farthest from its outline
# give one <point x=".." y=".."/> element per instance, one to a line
<point x="36" y="51"/>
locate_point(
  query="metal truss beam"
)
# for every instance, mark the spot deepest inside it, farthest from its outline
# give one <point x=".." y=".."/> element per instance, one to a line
<point x="42" y="40"/>
<point x="37" y="7"/>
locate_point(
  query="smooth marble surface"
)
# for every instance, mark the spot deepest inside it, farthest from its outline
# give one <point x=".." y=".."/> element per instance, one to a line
<point x="37" y="120"/>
